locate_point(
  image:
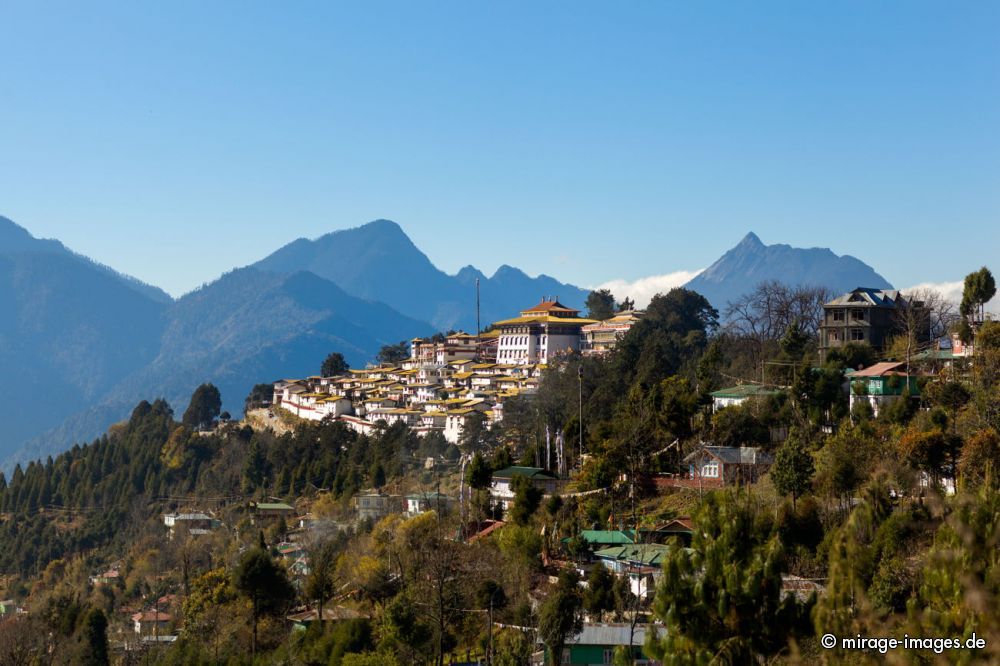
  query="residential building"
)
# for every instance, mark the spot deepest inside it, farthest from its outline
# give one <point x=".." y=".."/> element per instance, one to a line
<point x="716" y="466"/>
<point x="302" y="619"/>
<point x="869" y="316"/>
<point x="595" y="645"/>
<point x="501" y="487"/>
<point x="598" y="539"/>
<point x="151" y="622"/>
<point x="109" y="577"/>
<point x="601" y="337"/>
<point x="539" y="334"/>
<point x="641" y="562"/>
<point x="882" y="384"/>
<point x="737" y="395"/>
<point x="375" y="505"/>
<point x="193" y="523"/>
<point x="488" y="346"/>
<point x="417" y="503"/>
<point x="271" y="512"/>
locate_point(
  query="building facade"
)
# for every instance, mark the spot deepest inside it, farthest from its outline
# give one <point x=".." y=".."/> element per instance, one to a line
<point x="540" y="333"/>
<point x="601" y="337"/>
<point x="869" y="316"/>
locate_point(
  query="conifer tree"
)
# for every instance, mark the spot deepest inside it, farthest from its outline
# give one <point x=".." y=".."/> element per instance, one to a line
<point x="559" y="618"/>
<point x="793" y="468"/>
<point x="720" y="600"/>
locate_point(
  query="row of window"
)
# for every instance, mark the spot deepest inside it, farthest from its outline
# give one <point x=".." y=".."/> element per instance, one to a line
<point x="856" y="315"/>
<point x="519" y="340"/>
<point x="855" y="335"/>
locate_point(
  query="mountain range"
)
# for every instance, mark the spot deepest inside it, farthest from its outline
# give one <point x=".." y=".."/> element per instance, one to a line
<point x="81" y="343"/>
<point x="378" y="261"/>
<point x="752" y="262"/>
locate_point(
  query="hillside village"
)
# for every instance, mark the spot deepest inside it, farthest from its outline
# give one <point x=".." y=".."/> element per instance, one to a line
<point x="446" y="383"/>
<point x="461" y="472"/>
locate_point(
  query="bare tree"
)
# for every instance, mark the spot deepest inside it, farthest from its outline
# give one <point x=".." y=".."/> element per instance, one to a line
<point x="762" y="316"/>
<point x="921" y="317"/>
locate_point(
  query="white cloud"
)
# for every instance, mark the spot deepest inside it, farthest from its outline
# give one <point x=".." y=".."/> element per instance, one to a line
<point x="643" y="289"/>
<point x="951" y="291"/>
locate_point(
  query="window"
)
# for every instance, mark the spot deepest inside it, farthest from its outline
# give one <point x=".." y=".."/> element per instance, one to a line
<point x="857" y="334"/>
<point x="710" y="469"/>
<point x="838" y="315"/>
<point x="833" y="336"/>
<point x="857" y="315"/>
<point x="609" y="655"/>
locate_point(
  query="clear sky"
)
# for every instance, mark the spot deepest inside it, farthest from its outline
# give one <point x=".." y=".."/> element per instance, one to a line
<point x="590" y="141"/>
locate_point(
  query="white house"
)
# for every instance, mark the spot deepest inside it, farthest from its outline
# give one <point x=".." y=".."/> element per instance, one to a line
<point x="150" y="622"/>
<point x="501" y="485"/>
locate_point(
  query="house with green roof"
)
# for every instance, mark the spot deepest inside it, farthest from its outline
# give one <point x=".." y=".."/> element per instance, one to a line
<point x="882" y="384"/>
<point x="596" y="644"/>
<point x="642" y="563"/>
<point x="598" y="539"/>
<point x="737" y="395"/>
<point x="501" y="488"/>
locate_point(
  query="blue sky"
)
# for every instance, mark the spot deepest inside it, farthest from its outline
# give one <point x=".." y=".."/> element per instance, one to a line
<point x="590" y="141"/>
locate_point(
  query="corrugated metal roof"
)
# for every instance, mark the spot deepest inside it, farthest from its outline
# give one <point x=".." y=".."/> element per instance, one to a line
<point x="611" y="634"/>
<point x="744" y="391"/>
<point x="746" y="455"/>
<point x="650" y="554"/>
<point x="530" y="472"/>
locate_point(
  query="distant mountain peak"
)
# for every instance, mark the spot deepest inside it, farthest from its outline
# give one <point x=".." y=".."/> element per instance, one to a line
<point x="751" y="240"/>
<point x="469" y="274"/>
<point x="507" y="271"/>
<point x="382" y="224"/>
<point x="379" y="262"/>
<point x="751" y="262"/>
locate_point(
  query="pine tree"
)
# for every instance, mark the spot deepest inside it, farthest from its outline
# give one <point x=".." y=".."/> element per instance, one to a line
<point x="793" y="468"/>
<point x="559" y="618"/>
<point x="720" y="600"/>
<point x="96" y="636"/>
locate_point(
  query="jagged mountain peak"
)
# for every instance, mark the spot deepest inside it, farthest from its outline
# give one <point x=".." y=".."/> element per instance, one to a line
<point x="469" y="274"/>
<point x="751" y="262"/>
<point x="751" y="241"/>
<point x="378" y="261"/>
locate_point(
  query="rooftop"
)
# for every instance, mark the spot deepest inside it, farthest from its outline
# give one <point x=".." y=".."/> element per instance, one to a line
<point x="881" y="370"/>
<point x="272" y="506"/>
<point x="745" y="391"/>
<point x="868" y="296"/>
<point x="647" y="554"/>
<point x="742" y="455"/>
<point x="530" y="472"/>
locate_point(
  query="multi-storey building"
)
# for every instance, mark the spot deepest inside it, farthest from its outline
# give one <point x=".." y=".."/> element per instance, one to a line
<point x="600" y="338"/>
<point x="540" y="333"/>
<point x="869" y="316"/>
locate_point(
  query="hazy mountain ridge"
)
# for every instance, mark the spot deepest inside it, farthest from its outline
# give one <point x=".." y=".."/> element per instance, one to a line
<point x="70" y="329"/>
<point x="246" y="327"/>
<point x="751" y="262"/>
<point x="14" y="238"/>
<point x="378" y="261"/>
<point x="85" y="342"/>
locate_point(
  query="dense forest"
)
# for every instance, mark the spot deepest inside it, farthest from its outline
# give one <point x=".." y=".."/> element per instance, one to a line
<point x="862" y="506"/>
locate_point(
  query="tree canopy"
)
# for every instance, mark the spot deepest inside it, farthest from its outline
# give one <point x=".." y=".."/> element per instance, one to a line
<point x="205" y="406"/>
